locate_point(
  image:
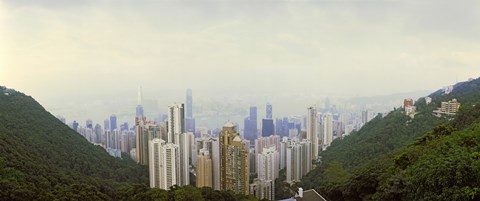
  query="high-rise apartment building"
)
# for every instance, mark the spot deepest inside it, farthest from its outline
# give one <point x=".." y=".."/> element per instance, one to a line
<point x="176" y="134"/>
<point x="234" y="161"/>
<point x="298" y="160"/>
<point x="162" y="166"/>
<point x="262" y="143"/>
<point x="263" y="189"/>
<point x="327" y="130"/>
<point x="268" y="163"/>
<point x="204" y="168"/>
<point x="312" y="125"/>
<point x="145" y="131"/>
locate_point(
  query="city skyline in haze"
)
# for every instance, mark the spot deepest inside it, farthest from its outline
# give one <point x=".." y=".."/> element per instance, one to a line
<point x="75" y="54"/>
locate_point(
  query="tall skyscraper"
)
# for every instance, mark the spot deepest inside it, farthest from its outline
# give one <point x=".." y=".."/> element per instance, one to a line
<point x="162" y="166"/>
<point x="312" y="126"/>
<point x="262" y="143"/>
<point x="268" y="163"/>
<point x="327" y="130"/>
<point x="113" y="122"/>
<point x="176" y="123"/>
<point x="106" y="124"/>
<point x="189" y="120"/>
<point x="298" y="160"/>
<point x="177" y="135"/>
<point x="189" y="103"/>
<point x="250" y="131"/>
<point x="141" y="143"/>
<point x="267" y="127"/>
<point x="263" y="186"/>
<point x="234" y="161"/>
<point x="267" y="124"/>
<point x="204" y="168"/>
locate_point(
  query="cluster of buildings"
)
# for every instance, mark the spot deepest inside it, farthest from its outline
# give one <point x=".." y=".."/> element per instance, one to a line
<point x="177" y="153"/>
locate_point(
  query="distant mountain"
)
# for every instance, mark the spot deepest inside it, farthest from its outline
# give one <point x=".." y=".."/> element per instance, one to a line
<point x="398" y="158"/>
<point x="41" y="158"/>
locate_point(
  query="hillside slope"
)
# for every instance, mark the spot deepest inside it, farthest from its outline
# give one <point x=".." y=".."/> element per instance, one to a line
<point x="354" y="167"/>
<point x="41" y="158"/>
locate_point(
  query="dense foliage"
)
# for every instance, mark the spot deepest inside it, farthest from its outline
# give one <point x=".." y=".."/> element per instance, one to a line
<point x="377" y="162"/>
<point x="43" y="159"/>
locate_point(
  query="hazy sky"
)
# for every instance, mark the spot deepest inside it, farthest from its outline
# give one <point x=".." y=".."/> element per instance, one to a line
<point x="53" y="49"/>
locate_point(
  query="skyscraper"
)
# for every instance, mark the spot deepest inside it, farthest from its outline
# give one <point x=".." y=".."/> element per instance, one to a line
<point x="162" y="166"/>
<point x="327" y="130"/>
<point x="268" y="163"/>
<point x="234" y="161"/>
<point x="250" y="131"/>
<point x="113" y="122"/>
<point x="141" y="142"/>
<point x="176" y="123"/>
<point x="189" y="103"/>
<point x="267" y="127"/>
<point x="267" y="124"/>
<point x="312" y="126"/>
<point x="204" y="168"/>
<point x="177" y="135"/>
<point x="189" y="120"/>
<point x="298" y="160"/>
<point x="106" y="124"/>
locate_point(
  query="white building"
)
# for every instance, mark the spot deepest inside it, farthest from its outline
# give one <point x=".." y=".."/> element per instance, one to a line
<point x="298" y="160"/>
<point x="327" y="130"/>
<point x="162" y="164"/>
<point x="268" y="164"/>
<point x="312" y="126"/>
<point x="176" y="135"/>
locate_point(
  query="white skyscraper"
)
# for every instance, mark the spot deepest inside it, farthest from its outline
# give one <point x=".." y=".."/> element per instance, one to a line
<point x="264" y="142"/>
<point x="176" y="122"/>
<point x="312" y="126"/>
<point x="327" y="130"/>
<point x="298" y="160"/>
<point x="162" y="164"/>
<point x="283" y="151"/>
<point x="268" y="164"/>
<point x="176" y="135"/>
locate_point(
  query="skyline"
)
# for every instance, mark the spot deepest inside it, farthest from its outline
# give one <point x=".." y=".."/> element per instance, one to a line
<point x="89" y="52"/>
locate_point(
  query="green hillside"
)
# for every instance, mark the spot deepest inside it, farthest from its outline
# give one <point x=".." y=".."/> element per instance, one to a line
<point x="41" y="158"/>
<point x="356" y="167"/>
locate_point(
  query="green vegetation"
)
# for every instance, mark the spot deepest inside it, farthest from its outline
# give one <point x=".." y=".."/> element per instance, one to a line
<point x="43" y="159"/>
<point x="398" y="158"/>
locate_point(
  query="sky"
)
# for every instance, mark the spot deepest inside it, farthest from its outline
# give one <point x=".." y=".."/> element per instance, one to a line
<point x="81" y="51"/>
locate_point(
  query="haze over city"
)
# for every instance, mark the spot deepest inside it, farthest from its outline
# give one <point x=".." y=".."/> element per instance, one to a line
<point x="290" y="53"/>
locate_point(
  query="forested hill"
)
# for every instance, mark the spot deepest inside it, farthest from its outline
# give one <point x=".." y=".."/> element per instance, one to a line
<point x="41" y="158"/>
<point x="381" y="160"/>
